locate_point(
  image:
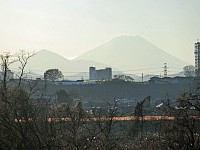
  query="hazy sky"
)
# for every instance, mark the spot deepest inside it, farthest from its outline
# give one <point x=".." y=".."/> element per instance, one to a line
<point x="71" y="27"/>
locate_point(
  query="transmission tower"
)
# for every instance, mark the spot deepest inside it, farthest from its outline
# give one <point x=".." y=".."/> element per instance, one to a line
<point x="165" y="69"/>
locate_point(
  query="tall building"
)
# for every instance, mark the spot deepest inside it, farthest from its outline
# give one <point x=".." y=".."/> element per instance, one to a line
<point x="197" y="58"/>
<point x="102" y="74"/>
<point x="92" y="73"/>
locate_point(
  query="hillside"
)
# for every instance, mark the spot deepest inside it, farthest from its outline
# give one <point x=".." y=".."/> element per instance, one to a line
<point x="127" y="54"/>
<point x="45" y="59"/>
<point x="132" y="53"/>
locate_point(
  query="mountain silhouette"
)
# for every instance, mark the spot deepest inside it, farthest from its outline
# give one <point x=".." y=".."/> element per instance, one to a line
<point x="123" y="53"/>
<point x="131" y="53"/>
<point x="44" y="60"/>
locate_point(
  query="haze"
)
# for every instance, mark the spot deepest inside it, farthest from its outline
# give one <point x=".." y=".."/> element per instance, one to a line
<point x="71" y="28"/>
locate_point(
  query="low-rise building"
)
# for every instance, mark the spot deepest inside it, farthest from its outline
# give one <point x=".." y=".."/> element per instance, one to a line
<point x="101" y="74"/>
<point x="169" y="80"/>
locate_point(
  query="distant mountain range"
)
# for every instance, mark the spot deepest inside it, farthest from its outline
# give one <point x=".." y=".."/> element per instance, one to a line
<point x="44" y="60"/>
<point x="128" y="54"/>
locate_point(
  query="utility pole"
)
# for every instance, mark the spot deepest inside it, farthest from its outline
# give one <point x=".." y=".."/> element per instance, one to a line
<point x="45" y="84"/>
<point x="142" y="77"/>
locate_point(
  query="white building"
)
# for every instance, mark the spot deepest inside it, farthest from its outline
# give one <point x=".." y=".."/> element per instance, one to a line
<point x="102" y="74"/>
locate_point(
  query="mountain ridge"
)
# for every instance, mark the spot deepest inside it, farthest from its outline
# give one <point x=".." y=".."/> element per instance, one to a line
<point x="131" y="52"/>
<point x="127" y="54"/>
<point x="44" y="59"/>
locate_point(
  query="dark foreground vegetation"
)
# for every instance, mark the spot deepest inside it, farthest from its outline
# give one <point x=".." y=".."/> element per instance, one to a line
<point x="26" y="121"/>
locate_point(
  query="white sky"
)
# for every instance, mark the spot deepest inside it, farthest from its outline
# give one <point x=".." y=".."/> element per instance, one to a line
<point x="71" y="27"/>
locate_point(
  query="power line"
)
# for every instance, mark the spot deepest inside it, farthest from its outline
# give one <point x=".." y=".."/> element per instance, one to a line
<point x="140" y="69"/>
<point x="133" y="70"/>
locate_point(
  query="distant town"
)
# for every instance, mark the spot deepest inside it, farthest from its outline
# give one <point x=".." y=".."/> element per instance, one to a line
<point x="107" y="106"/>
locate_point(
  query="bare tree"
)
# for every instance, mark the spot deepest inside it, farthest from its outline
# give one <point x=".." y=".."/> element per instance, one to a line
<point x="122" y="77"/>
<point x="189" y="71"/>
<point x="20" y="123"/>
